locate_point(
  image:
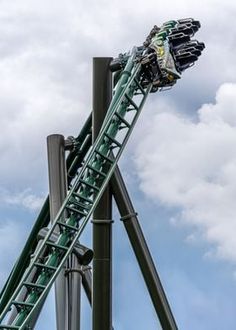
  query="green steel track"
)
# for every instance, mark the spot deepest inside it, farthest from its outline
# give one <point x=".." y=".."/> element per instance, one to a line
<point x="73" y="162"/>
<point x="87" y="188"/>
<point x="146" y="69"/>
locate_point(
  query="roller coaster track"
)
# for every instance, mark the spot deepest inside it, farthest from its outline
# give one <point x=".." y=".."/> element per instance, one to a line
<point x="139" y="72"/>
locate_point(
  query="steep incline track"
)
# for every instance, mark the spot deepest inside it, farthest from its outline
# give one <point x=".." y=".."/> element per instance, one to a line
<point x="158" y="63"/>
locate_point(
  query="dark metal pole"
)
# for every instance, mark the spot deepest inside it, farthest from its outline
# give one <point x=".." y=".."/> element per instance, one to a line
<point x="74" y="281"/>
<point x="67" y="290"/>
<point x="102" y="223"/>
<point x="143" y="255"/>
<point x="57" y="194"/>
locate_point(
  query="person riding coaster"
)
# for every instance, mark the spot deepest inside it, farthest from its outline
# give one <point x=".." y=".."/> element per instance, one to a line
<point x="159" y="57"/>
<point x="167" y="52"/>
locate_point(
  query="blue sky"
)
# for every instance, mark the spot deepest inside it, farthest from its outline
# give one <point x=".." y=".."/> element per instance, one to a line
<point x="179" y="166"/>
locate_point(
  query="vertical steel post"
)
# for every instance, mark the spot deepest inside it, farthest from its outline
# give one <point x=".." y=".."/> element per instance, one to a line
<point x="141" y="250"/>
<point x="67" y="290"/>
<point x="57" y="193"/>
<point x="102" y="223"/>
<point x="74" y="281"/>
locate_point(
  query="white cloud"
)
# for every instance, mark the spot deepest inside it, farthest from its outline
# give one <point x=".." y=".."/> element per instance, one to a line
<point x="25" y="199"/>
<point x="46" y="54"/>
<point x="191" y="166"/>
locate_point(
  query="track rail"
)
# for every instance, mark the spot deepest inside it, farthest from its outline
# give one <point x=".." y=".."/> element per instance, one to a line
<point x="86" y="191"/>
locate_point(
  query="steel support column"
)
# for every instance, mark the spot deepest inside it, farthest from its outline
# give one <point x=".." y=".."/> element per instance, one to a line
<point x="74" y="281"/>
<point x="67" y="290"/>
<point x="102" y="224"/>
<point x="142" y="253"/>
<point x="57" y="193"/>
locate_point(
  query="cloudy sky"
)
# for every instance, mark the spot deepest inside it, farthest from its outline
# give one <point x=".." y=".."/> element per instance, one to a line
<point x="180" y="164"/>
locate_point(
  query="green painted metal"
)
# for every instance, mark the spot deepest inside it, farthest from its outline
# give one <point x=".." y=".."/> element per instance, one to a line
<point x="129" y="98"/>
<point x="73" y="162"/>
<point x="24" y="259"/>
<point x="173" y="51"/>
<point x="172" y="45"/>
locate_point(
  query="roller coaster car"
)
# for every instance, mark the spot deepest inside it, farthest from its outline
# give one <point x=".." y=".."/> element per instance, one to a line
<point x="170" y="51"/>
<point x="187" y="54"/>
<point x="167" y="51"/>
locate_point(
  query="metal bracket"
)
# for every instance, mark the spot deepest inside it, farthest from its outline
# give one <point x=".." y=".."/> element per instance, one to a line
<point x="72" y="144"/>
<point x="102" y="221"/>
<point x="129" y="216"/>
<point x="77" y="270"/>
